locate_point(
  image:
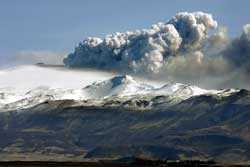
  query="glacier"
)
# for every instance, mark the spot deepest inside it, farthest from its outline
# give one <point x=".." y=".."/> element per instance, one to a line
<point x="103" y="88"/>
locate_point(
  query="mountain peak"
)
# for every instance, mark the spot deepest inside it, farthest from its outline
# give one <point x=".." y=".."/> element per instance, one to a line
<point x="122" y="79"/>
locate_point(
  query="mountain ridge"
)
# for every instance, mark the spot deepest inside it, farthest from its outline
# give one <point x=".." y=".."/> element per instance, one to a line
<point x="204" y="127"/>
<point x="122" y="117"/>
<point x="123" y="86"/>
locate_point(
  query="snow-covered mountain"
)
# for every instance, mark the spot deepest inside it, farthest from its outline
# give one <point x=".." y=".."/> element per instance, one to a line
<point x="117" y="86"/>
<point x="123" y="86"/>
<point x="122" y="115"/>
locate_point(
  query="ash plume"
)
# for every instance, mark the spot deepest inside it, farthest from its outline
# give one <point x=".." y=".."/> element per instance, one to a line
<point x="189" y="48"/>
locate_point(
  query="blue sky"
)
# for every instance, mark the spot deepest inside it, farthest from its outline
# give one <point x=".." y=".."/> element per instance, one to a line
<point x="58" y="25"/>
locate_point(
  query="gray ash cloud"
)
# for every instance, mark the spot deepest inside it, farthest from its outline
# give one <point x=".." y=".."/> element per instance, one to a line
<point x="189" y="48"/>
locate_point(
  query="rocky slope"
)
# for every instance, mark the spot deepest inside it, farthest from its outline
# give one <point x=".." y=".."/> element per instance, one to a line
<point x="207" y="126"/>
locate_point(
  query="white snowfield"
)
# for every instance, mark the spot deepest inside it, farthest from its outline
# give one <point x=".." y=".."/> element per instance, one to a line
<point x="27" y="86"/>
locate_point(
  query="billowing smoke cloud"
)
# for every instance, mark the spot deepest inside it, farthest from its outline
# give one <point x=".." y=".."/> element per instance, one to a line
<point x="238" y="51"/>
<point x="145" y="50"/>
<point x="181" y="50"/>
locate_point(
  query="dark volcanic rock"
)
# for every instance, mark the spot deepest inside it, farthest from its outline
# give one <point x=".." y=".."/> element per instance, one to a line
<point x="202" y="127"/>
